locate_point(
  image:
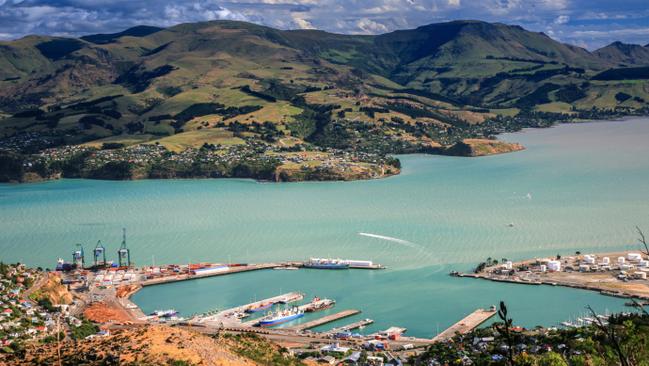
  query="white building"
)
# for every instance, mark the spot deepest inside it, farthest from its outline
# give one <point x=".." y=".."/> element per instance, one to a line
<point x="589" y="259"/>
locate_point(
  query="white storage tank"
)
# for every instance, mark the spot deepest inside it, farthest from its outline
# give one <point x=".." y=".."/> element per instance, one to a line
<point x="584" y="268"/>
<point x="589" y="259"/>
<point x="620" y="260"/>
<point x="644" y="263"/>
<point x="606" y="260"/>
<point x="634" y="257"/>
<point x="544" y="268"/>
<point x="554" y="266"/>
<point x="509" y="265"/>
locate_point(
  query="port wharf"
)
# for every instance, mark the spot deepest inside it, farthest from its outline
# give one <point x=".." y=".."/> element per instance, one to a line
<point x="325" y="319"/>
<point x="352" y="326"/>
<point x="620" y="274"/>
<point x="114" y="287"/>
<point x="466" y="325"/>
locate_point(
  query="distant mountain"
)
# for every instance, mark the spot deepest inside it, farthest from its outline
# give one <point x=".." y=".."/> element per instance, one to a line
<point x="624" y="54"/>
<point x="139" y="31"/>
<point x="421" y="88"/>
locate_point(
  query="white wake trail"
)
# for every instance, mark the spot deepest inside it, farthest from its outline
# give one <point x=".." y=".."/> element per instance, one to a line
<point x="394" y="240"/>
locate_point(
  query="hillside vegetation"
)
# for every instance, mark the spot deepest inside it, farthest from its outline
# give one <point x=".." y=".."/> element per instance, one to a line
<point x="157" y="345"/>
<point x="244" y="98"/>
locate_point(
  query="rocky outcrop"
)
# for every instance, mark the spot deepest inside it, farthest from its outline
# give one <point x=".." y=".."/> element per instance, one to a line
<point x="481" y="147"/>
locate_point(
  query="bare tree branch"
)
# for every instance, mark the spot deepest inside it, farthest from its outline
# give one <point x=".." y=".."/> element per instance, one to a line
<point x="609" y="332"/>
<point x="643" y="240"/>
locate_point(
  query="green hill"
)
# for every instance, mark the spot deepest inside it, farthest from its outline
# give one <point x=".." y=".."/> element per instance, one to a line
<point x="226" y="83"/>
<point x="623" y="54"/>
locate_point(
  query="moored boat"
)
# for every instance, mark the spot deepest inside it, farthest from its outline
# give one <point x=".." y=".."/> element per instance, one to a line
<point x="280" y="317"/>
<point x="260" y="307"/>
<point x="164" y="313"/>
<point x="318" y="304"/>
<point x="325" y="263"/>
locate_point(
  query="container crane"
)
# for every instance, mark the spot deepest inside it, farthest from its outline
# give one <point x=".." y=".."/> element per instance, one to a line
<point x="99" y="254"/>
<point x="78" y="257"/>
<point x="123" y="254"/>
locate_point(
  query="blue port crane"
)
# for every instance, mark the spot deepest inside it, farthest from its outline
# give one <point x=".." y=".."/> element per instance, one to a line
<point x="78" y="257"/>
<point x="99" y="254"/>
<point x="123" y="254"/>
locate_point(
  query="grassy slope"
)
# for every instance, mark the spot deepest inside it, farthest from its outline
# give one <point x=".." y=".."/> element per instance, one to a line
<point x="462" y="62"/>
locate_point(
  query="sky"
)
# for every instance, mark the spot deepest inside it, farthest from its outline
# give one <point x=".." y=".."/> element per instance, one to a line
<point x="586" y="23"/>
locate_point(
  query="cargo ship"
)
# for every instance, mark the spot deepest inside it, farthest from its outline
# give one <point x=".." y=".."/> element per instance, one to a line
<point x="281" y="316"/>
<point x="260" y="307"/>
<point x="325" y="263"/>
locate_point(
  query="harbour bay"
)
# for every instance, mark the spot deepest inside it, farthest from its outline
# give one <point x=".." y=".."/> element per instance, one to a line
<point x="576" y="187"/>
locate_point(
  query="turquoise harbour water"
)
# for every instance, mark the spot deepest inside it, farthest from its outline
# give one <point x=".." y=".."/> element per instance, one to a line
<point x="588" y="186"/>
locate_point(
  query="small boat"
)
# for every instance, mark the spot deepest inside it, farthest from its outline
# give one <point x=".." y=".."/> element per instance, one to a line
<point x="280" y="317"/>
<point x="164" y="313"/>
<point x="260" y="307"/>
<point x="325" y="263"/>
<point x="318" y="304"/>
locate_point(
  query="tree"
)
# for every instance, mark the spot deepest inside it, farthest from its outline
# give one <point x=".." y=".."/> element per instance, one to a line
<point x="505" y="330"/>
<point x="611" y="334"/>
<point x="552" y="359"/>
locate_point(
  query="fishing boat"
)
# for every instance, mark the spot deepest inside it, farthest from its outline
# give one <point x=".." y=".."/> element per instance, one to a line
<point x="280" y="317"/>
<point x="260" y="307"/>
<point x="164" y="313"/>
<point x="318" y="304"/>
<point x="325" y="263"/>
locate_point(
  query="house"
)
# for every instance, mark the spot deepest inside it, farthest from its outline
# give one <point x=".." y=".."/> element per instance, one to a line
<point x="352" y="359"/>
<point x="334" y="347"/>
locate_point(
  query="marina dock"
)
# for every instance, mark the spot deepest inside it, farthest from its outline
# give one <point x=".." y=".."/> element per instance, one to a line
<point x="466" y="325"/>
<point x="325" y="320"/>
<point x="352" y="326"/>
<point x="229" y="316"/>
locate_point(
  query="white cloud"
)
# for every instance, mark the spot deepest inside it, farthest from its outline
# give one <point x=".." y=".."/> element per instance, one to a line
<point x="369" y="26"/>
<point x="572" y="20"/>
<point x="302" y="23"/>
<point x="562" y="19"/>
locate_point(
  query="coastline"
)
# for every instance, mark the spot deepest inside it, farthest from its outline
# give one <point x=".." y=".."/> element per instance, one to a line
<point x="346" y="171"/>
<point x="611" y="280"/>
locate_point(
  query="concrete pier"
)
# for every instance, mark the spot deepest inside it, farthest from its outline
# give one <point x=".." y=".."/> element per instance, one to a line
<point x="325" y="320"/>
<point x="184" y="276"/>
<point x="229" y="316"/>
<point x="352" y="326"/>
<point x="466" y="325"/>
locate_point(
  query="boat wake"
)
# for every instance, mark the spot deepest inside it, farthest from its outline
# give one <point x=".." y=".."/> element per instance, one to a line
<point x="394" y="240"/>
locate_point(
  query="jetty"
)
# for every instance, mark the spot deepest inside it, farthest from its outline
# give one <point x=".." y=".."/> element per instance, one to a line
<point x="227" y="269"/>
<point x="352" y="326"/>
<point x="324" y="320"/>
<point x="232" y="316"/>
<point x="466" y="325"/>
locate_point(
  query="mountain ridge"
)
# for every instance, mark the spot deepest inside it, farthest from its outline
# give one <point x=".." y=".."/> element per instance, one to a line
<point x="232" y="85"/>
